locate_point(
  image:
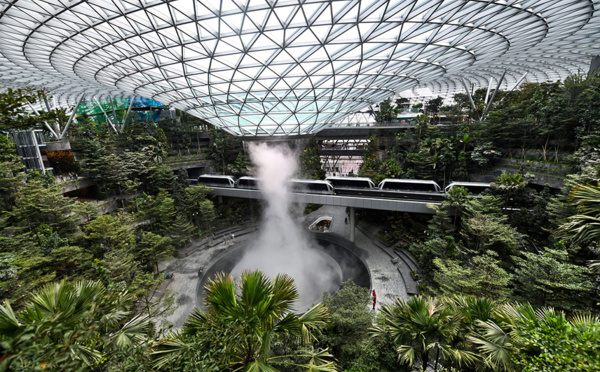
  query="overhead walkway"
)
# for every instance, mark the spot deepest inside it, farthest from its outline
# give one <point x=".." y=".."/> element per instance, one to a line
<point x="341" y="152"/>
<point x="360" y="132"/>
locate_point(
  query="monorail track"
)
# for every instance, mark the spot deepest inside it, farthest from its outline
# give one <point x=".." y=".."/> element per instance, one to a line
<point x="391" y="194"/>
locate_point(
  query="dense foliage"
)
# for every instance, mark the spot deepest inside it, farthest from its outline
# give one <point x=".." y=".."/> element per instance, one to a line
<point x="519" y="241"/>
<point x="505" y="277"/>
<point x="475" y="334"/>
<point x="237" y="330"/>
<point x="65" y="326"/>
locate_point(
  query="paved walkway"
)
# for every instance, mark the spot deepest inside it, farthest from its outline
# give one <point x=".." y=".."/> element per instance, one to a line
<point x="186" y="270"/>
<point x="385" y="278"/>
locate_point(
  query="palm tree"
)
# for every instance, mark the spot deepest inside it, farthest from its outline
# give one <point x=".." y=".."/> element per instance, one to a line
<point x="469" y="311"/>
<point x="68" y="326"/>
<point x="509" y="183"/>
<point x="422" y="326"/>
<point x="594" y="266"/>
<point x="247" y="320"/>
<point x="506" y="342"/>
<point x="456" y="198"/>
<point x="584" y="227"/>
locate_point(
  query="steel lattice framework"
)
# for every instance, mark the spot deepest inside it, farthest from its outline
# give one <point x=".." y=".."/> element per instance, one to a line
<point x="269" y="67"/>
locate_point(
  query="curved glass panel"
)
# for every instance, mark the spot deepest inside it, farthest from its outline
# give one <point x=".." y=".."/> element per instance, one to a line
<point x="268" y="68"/>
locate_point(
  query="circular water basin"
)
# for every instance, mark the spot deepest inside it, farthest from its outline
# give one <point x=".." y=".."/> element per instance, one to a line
<point x="334" y="261"/>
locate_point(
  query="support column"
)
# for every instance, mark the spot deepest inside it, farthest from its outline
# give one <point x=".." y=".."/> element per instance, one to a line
<point x="131" y="99"/>
<point x="56" y="135"/>
<point x="469" y="94"/>
<point x="487" y="95"/>
<point x="594" y="65"/>
<point x="105" y="115"/>
<point x="75" y="108"/>
<point x="352" y="223"/>
<point x="487" y="108"/>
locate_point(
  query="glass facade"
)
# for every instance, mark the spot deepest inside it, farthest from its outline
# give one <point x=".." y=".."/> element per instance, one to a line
<point x="270" y="68"/>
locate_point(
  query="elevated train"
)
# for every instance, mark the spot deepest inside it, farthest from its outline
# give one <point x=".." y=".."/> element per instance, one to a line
<point x="388" y="188"/>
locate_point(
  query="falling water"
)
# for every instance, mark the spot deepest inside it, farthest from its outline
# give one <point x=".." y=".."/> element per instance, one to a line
<point x="282" y="245"/>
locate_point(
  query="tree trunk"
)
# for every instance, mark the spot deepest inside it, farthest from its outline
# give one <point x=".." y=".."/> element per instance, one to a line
<point x="424" y="360"/>
<point x="545" y="148"/>
<point x="121" y="197"/>
<point x="455" y="215"/>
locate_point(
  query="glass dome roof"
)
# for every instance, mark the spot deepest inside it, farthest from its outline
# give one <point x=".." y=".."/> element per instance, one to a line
<point x="269" y="68"/>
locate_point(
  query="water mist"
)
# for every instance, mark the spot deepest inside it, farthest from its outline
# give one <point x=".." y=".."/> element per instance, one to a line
<point x="282" y="245"/>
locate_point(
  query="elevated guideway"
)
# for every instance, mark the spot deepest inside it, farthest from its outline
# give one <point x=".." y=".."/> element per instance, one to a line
<point x="374" y="200"/>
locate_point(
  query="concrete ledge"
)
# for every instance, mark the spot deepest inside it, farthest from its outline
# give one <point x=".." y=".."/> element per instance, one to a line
<point x="192" y="164"/>
<point x="77" y="184"/>
<point x="57" y="146"/>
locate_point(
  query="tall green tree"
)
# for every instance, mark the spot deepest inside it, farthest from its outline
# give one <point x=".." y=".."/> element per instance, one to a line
<point x="423" y="329"/>
<point x="239" y="167"/>
<point x="224" y="149"/>
<point x="164" y="178"/>
<point x="37" y="204"/>
<point x="387" y="111"/>
<point x="521" y="338"/>
<point x="180" y="183"/>
<point x="15" y="114"/>
<point x="249" y="319"/>
<point x="69" y="326"/>
<point x="110" y="232"/>
<point x="550" y="279"/>
<point x="371" y="163"/>
<point x="152" y="249"/>
<point x="310" y="161"/>
<point x="456" y="199"/>
<point x="349" y="323"/>
<point x="433" y="106"/>
<point x="510" y="184"/>
<point x="583" y="227"/>
<point x="482" y="232"/>
<point x="480" y="276"/>
<point x="164" y="212"/>
<point x="10" y="168"/>
<point x="180" y="231"/>
<point x="198" y="208"/>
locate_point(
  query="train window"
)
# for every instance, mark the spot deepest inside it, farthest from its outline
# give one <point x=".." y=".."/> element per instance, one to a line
<point x="424" y="186"/>
<point x="474" y="188"/>
<point x="351" y="183"/>
<point x="248" y="183"/>
<point x="477" y="189"/>
<point x="319" y="187"/>
<point x="216" y="181"/>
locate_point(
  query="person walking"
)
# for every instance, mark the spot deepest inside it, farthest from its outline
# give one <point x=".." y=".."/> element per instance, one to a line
<point x="374" y="298"/>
